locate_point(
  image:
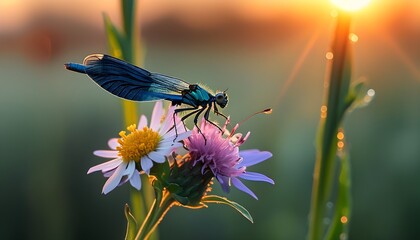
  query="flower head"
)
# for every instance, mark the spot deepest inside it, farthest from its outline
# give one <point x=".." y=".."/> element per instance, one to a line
<point x="135" y="152"/>
<point x="222" y="157"/>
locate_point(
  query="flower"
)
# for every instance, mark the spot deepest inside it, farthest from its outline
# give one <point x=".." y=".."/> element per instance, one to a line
<point x="222" y="157"/>
<point x="134" y="153"/>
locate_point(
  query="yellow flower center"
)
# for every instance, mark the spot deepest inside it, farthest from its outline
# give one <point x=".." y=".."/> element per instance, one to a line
<point x="137" y="144"/>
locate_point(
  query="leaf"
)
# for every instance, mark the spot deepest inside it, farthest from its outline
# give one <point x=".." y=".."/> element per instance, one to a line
<point x="128" y="13"/>
<point x="132" y="46"/>
<point x="234" y="205"/>
<point x="161" y="173"/>
<point x="157" y="185"/>
<point x="175" y="168"/>
<point x="181" y="199"/>
<point x="174" y="188"/>
<point x="115" y="40"/>
<point x="359" y="96"/>
<point x="166" y="170"/>
<point x="138" y="207"/>
<point x="131" y="224"/>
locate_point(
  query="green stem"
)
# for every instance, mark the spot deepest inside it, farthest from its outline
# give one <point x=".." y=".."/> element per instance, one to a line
<point x="130" y="47"/>
<point x="340" y="226"/>
<point x="324" y="171"/>
<point x="153" y="209"/>
<point x="157" y="212"/>
<point x="126" y="45"/>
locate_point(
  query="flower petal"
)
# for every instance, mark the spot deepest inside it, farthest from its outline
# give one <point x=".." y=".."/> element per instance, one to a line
<point x="113" y="143"/>
<point x="157" y="157"/>
<point x="173" y="141"/>
<point x="253" y="156"/>
<point x="156" y="116"/>
<point x="109" y="173"/>
<point x="224" y="183"/>
<point x="182" y="136"/>
<point x="146" y="164"/>
<point x="239" y="185"/>
<point x="253" y="176"/>
<point x="130" y="169"/>
<point x="123" y="180"/>
<point x="135" y="180"/>
<point x="115" y="179"/>
<point x="106" y="153"/>
<point x="106" y="166"/>
<point x="167" y="143"/>
<point x="168" y="148"/>
<point x="165" y="151"/>
<point x="142" y="122"/>
<point x="169" y="121"/>
<point x="172" y="131"/>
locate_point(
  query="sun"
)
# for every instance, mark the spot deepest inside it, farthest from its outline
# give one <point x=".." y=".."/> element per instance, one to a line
<point x="350" y="5"/>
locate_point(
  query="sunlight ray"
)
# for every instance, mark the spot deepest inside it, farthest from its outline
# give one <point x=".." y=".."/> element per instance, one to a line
<point x="298" y="65"/>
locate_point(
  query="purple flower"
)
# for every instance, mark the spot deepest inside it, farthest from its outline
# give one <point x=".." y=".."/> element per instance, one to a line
<point x="222" y="157"/>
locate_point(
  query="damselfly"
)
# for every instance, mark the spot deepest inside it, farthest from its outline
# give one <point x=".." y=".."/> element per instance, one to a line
<point x="134" y="83"/>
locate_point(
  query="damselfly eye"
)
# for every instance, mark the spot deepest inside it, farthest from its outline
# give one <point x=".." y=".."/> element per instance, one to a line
<point x="221" y="99"/>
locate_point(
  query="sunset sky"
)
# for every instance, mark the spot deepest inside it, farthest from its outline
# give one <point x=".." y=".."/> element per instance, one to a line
<point x="16" y="13"/>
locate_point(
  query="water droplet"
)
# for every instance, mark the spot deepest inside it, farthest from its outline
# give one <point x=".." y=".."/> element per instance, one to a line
<point x="344" y="219"/>
<point x="340" y="134"/>
<point x="343" y="236"/>
<point x="327" y="221"/>
<point x="323" y="111"/>
<point x="329" y="55"/>
<point x="371" y="92"/>
<point x="353" y="37"/>
<point x="330" y="204"/>
<point x="369" y="96"/>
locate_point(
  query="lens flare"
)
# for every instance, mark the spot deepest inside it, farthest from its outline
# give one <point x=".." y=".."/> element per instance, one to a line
<point x="350" y="5"/>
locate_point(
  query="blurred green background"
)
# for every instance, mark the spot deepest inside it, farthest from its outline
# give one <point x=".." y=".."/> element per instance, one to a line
<point x="267" y="53"/>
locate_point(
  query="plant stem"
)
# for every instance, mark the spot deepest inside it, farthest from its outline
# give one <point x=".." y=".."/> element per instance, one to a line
<point x="157" y="212"/>
<point x="324" y="171"/>
<point x="131" y="52"/>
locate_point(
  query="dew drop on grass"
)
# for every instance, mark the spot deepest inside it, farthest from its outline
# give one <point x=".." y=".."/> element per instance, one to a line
<point x="329" y="55"/>
<point x="369" y="96"/>
<point x="330" y="205"/>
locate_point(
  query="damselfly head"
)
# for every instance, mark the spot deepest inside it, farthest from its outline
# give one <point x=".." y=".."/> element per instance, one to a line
<point x="221" y="99"/>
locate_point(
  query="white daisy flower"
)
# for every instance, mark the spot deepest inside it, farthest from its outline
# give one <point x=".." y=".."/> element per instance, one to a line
<point x="134" y="153"/>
